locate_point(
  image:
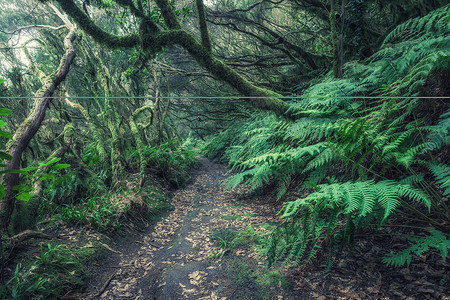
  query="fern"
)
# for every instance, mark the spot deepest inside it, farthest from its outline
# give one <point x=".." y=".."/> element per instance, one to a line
<point x="440" y="133"/>
<point x="359" y="197"/>
<point x="442" y="174"/>
<point x="419" y="245"/>
<point x="377" y="147"/>
<point x="356" y="200"/>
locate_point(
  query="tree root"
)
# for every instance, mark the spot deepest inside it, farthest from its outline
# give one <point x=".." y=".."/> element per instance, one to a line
<point x="16" y="240"/>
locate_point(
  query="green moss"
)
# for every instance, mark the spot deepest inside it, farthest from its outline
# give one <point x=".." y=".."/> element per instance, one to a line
<point x="242" y="273"/>
<point x="267" y="283"/>
<point x="98" y="34"/>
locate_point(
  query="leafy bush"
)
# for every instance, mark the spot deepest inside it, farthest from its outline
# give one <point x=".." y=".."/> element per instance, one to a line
<point x="97" y="212"/>
<point x="171" y="160"/>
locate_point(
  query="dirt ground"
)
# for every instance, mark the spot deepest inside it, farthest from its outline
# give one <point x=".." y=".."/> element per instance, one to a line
<point x="183" y="257"/>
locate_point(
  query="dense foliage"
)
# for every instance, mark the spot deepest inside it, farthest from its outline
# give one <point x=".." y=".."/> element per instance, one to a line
<point x="341" y="109"/>
<point x="363" y="158"/>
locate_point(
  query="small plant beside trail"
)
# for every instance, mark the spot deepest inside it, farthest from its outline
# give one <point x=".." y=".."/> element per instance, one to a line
<point x="56" y="269"/>
<point x="110" y="211"/>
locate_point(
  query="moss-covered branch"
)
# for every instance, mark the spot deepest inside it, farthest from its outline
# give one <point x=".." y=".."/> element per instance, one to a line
<point x="223" y="72"/>
<point x="177" y="36"/>
<point x="170" y="19"/>
<point x="206" y="42"/>
<point x="98" y="34"/>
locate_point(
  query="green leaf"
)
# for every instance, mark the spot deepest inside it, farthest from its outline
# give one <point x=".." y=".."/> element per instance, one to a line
<point x="4" y="155"/>
<point x="2" y="80"/>
<point x="13" y="172"/>
<point x="5" y="134"/>
<point x="55" y="160"/>
<point x="4" y="111"/>
<point x="22" y="187"/>
<point x="29" y="169"/>
<point x="46" y="177"/>
<point x="24" y="197"/>
<point x="60" y="166"/>
<point x="2" y="191"/>
<point x="2" y="123"/>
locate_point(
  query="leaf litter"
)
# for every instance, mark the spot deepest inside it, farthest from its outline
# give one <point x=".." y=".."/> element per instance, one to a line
<point x="174" y="260"/>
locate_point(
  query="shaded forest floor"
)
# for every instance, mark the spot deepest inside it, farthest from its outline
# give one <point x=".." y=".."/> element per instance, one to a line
<point x="206" y="248"/>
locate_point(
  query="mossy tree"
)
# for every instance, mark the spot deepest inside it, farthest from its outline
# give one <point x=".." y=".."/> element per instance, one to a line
<point x="152" y="37"/>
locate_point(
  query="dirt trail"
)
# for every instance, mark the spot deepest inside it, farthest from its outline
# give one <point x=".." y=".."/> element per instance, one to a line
<point x="176" y="260"/>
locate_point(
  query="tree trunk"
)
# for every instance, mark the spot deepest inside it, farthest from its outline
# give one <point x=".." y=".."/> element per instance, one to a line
<point x="95" y="132"/>
<point x="206" y="42"/>
<point x="140" y="148"/>
<point x="30" y="126"/>
<point x="334" y="39"/>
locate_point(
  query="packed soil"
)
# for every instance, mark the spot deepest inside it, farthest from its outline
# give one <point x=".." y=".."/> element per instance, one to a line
<point x="185" y="256"/>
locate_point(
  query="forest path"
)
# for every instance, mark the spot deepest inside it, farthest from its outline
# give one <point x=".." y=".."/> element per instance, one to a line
<point x="178" y="258"/>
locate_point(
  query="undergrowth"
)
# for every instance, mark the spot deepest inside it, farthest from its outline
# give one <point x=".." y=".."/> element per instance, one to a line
<point x="170" y="160"/>
<point x="53" y="270"/>
<point x="110" y="211"/>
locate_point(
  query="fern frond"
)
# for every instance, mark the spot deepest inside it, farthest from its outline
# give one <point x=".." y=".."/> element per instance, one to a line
<point x="442" y="174"/>
<point x="436" y="239"/>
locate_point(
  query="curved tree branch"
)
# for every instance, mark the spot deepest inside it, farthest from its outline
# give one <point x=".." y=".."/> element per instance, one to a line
<point x="177" y="36"/>
<point x="98" y="34"/>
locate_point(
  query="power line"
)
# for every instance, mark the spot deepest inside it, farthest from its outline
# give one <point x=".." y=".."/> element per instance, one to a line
<point x="226" y="97"/>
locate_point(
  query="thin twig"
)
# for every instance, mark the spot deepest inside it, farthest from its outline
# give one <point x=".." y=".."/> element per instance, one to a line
<point x="102" y="290"/>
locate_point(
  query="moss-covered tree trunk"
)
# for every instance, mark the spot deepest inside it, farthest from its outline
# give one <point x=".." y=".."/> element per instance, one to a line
<point x="334" y="39"/>
<point x="30" y="126"/>
<point x="140" y="149"/>
<point x="206" y="42"/>
<point x="111" y="117"/>
<point x="98" y="139"/>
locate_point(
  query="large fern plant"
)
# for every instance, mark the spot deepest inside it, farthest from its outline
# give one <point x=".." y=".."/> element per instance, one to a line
<point x="374" y="151"/>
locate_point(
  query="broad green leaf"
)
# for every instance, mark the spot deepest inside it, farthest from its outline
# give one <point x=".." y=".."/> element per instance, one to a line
<point x="29" y="169"/>
<point x="24" y="197"/>
<point x="55" y="160"/>
<point x="46" y="177"/>
<point x="22" y="187"/>
<point x="60" y="166"/>
<point x="2" y="80"/>
<point x="4" y="155"/>
<point x="2" y="123"/>
<point x="2" y="191"/>
<point x="4" y="111"/>
<point x="5" y="134"/>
